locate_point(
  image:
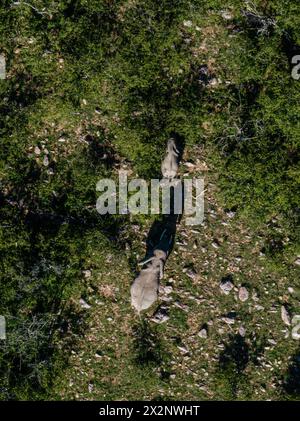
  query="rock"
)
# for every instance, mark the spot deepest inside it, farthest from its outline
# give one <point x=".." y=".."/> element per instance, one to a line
<point x="230" y="214"/>
<point x="297" y="261"/>
<point x="226" y="286"/>
<point x="90" y="387"/>
<point x="84" y="304"/>
<point x="37" y="150"/>
<point x="87" y="273"/>
<point x="161" y="315"/>
<point x="243" y="294"/>
<point x="183" y="349"/>
<point x="259" y="307"/>
<point x="168" y="289"/>
<point x="226" y="14"/>
<point x="46" y="161"/>
<point x="285" y="316"/>
<point x="188" y="23"/>
<point x="228" y="320"/>
<point x="203" y="333"/>
<point x="213" y="82"/>
<point x="291" y="290"/>
<point x="215" y="245"/>
<point x="242" y="331"/>
<point x="191" y="274"/>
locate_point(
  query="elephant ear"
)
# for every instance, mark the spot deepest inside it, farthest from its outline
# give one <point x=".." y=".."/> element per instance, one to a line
<point x="144" y="290"/>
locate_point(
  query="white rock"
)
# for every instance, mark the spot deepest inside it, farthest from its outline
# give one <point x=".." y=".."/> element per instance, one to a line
<point x="203" y="333"/>
<point x="285" y="316"/>
<point x="243" y="294"/>
<point x="37" y="150"/>
<point x="188" y="23"/>
<point x="242" y="331"/>
<point x="84" y="304"/>
<point x="87" y="273"/>
<point x="297" y="261"/>
<point x="168" y="289"/>
<point x="213" y="82"/>
<point x="160" y="316"/>
<point x="226" y="286"/>
<point x="46" y="161"/>
<point x="227" y="15"/>
<point x="183" y="349"/>
<point x="228" y="320"/>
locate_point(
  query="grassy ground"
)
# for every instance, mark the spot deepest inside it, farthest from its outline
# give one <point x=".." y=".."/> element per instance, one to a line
<point x="93" y="87"/>
<point x="123" y="356"/>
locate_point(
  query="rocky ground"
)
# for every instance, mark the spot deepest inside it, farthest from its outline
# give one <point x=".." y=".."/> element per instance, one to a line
<point x="222" y="327"/>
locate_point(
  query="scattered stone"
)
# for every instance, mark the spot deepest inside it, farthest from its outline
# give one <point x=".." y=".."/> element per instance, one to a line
<point x="230" y="214"/>
<point x="183" y="349"/>
<point x="87" y="273"/>
<point x="203" y="333"/>
<point x="227" y="15"/>
<point x="182" y="306"/>
<point x="285" y="316"/>
<point x="213" y="82"/>
<point x="90" y="387"/>
<point x="37" y="150"/>
<point x="291" y="290"/>
<point x="161" y="315"/>
<point x="228" y="320"/>
<point x="272" y="342"/>
<point x="168" y="289"/>
<point x="297" y="261"/>
<point x="226" y="286"/>
<point x="46" y="161"/>
<point x="84" y="304"/>
<point x="259" y="307"/>
<point x="191" y="274"/>
<point x="242" y="331"/>
<point x="188" y="23"/>
<point x="243" y="294"/>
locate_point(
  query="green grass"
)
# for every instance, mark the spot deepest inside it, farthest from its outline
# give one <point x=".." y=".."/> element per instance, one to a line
<point x="101" y="84"/>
